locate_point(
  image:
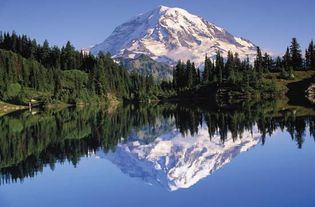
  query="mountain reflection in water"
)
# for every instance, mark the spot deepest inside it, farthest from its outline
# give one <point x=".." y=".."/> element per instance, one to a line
<point x="176" y="161"/>
<point x="170" y="145"/>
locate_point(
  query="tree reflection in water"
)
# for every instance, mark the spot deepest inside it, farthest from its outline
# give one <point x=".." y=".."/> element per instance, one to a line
<point x="29" y="142"/>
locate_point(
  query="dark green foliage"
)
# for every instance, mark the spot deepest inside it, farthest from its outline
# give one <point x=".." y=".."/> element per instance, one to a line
<point x="287" y="73"/>
<point x="287" y="62"/>
<point x="233" y="74"/>
<point x="296" y="55"/>
<point x="70" y="58"/>
<point x="185" y="76"/>
<point x="48" y="73"/>
<point x="267" y="63"/>
<point x="65" y="74"/>
<point x="310" y="56"/>
<point x="207" y="75"/>
<point x="258" y="64"/>
<point x="27" y="73"/>
<point x="219" y="67"/>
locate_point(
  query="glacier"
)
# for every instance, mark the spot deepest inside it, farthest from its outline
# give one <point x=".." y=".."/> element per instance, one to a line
<point x="170" y="34"/>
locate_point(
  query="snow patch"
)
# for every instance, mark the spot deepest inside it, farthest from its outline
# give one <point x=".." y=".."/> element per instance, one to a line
<point x="169" y="34"/>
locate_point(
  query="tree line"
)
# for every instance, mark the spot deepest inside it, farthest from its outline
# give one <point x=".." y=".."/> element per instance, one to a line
<point x="65" y="58"/>
<point x="242" y="73"/>
<point x="30" y="70"/>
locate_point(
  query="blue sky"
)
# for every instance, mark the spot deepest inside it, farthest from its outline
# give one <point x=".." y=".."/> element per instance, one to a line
<point x="270" y="23"/>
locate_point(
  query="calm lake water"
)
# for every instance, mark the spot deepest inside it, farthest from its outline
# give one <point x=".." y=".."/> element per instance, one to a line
<point x="163" y="155"/>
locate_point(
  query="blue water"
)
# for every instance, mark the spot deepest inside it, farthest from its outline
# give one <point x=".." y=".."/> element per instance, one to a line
<point x="274" y="174"/>
<point x="157" y="157"/>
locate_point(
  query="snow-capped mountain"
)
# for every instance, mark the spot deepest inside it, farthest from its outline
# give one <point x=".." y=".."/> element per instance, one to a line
<point x="171" y="34"/>
<point x="174" y="161"/>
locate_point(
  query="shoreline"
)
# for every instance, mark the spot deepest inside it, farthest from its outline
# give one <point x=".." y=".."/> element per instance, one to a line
<point x="6" y="108"/>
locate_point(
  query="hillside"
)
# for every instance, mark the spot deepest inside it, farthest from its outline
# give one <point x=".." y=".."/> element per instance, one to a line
<point x="146" y="66"/>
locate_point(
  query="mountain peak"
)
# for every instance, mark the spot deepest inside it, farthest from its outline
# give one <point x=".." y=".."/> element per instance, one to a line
<point x="166" y="8"/>
<point x="163" y="8"/>
<point x="173" y="11"/>
<point x="170" y="34"/>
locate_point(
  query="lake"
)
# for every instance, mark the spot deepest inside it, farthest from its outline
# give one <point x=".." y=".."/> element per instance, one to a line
<point x="159" y="155"/>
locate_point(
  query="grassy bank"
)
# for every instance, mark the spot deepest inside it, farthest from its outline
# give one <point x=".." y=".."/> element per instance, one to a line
<point x="282" y="84"/>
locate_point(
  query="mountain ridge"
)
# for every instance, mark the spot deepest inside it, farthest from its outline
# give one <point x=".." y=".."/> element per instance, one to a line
<point x="170" y="34"/>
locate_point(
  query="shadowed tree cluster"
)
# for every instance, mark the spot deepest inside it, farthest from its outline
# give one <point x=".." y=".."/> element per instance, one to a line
<point x="185" y="75"/>
<point x="233" y="74"/>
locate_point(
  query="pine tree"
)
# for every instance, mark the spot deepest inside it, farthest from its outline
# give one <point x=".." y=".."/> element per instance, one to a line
<point x="258" y="64"/>
<point x="287" y="59"/>
<point x="267" y="62"/>
<point x="198" y="76"/>
<point x="296" y="56"/>
<point x="175" y="75"/>
<point x="229" y="66"/>
<point x="237" y="62"/>
<point x="1" y="39"/>
<point x="189" y="74"/>
<point x="44" y="54"/>
<point x="219" y="66"/>
<point x="307" y="59"/>
<point x="247" y="72"/>
<point x="310" y="56"/>
<point x="278" y="63"/>
<point x="68" y="57"/>
<point x="207" y="75"/>
<point x="14" y="42"/>
<point x="194" y="74"/>
<point x="179" y="75"/>
<point x="54" y="57"/>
